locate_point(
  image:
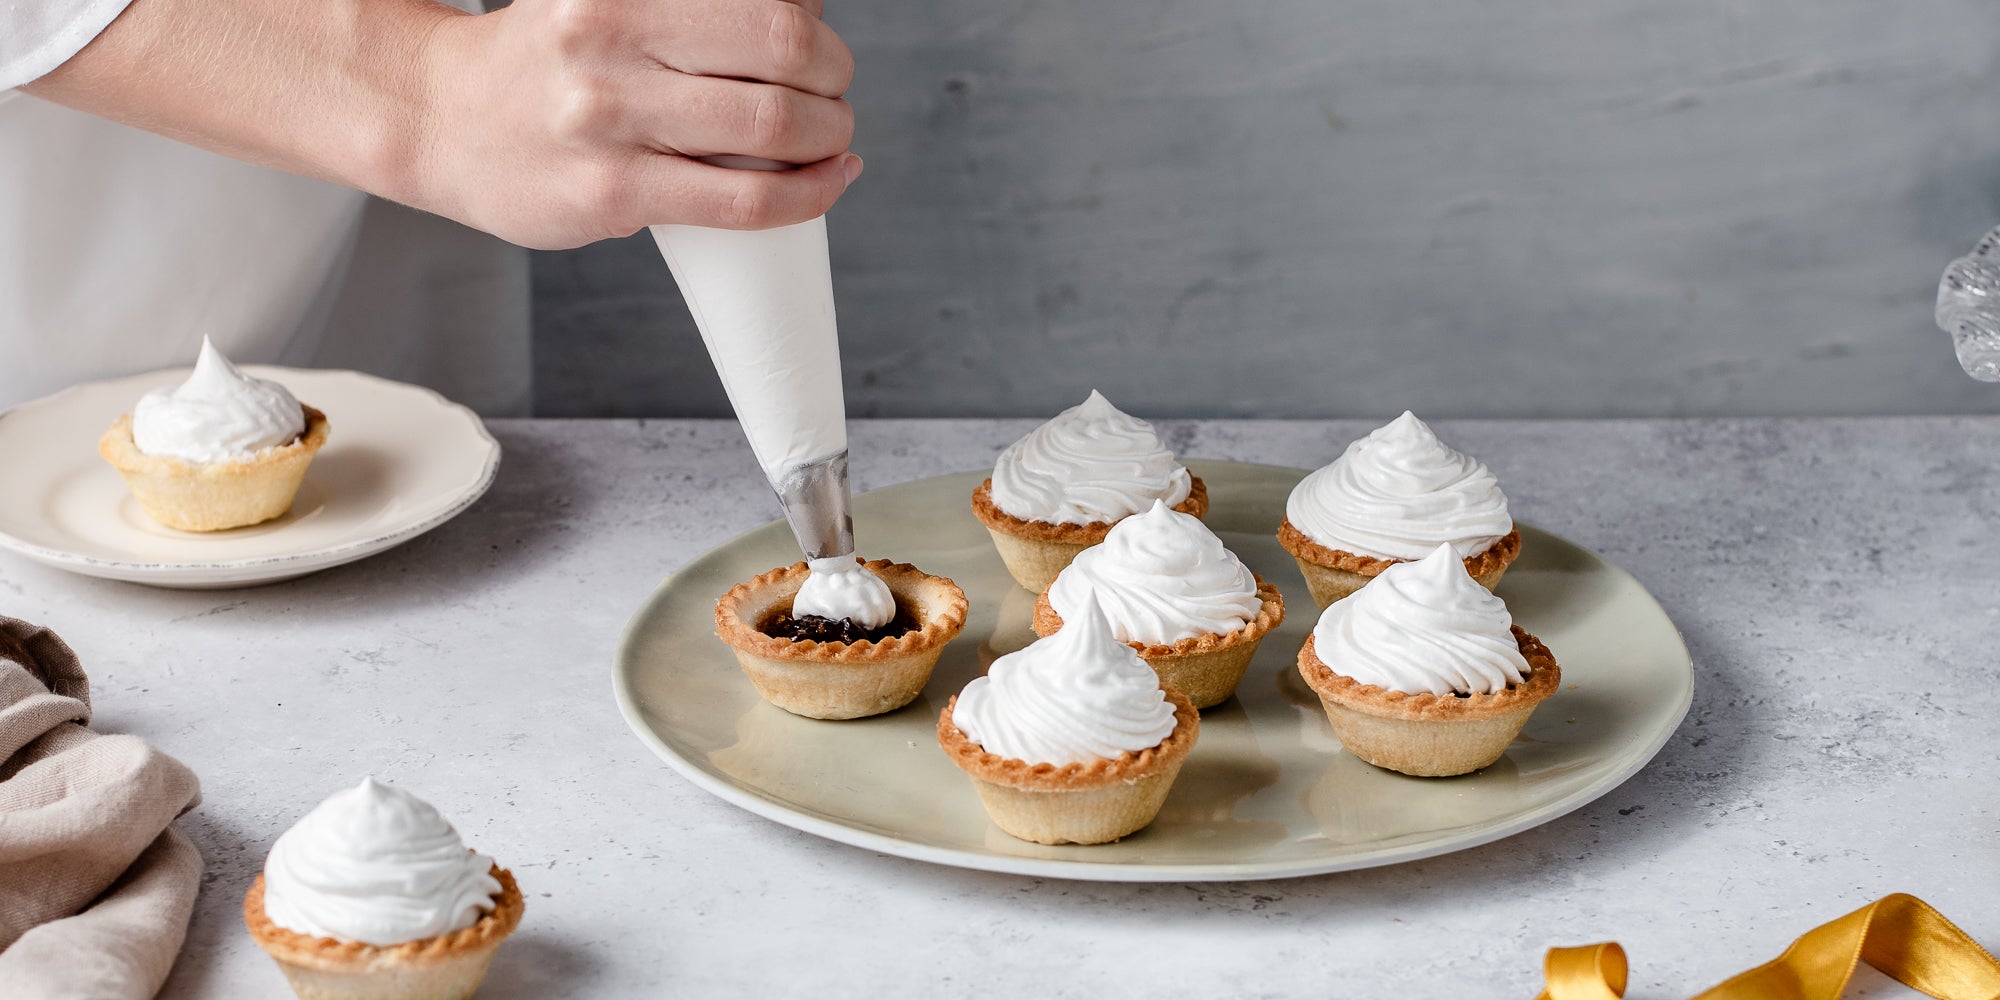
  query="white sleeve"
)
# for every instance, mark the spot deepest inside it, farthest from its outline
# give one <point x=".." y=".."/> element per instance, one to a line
<point x="38" y="35"/>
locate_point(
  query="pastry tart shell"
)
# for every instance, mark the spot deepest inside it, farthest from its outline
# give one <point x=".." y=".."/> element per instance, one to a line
<point x="1095" y="802"/>
<point x="1332" y="574"/>
<point x="840" y="680"/>
<point x="1425" y="734"/>
<point x="1035" y="551"/>
<point x="1206" y="668"/>
<point x="214" y="496"/>
<point x="444" y="967"/>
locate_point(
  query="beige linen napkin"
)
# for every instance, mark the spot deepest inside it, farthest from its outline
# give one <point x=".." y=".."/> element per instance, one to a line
<point x="96" y="883"/>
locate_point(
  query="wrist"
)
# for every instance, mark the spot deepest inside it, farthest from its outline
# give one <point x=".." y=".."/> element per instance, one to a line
<point x="395" y="148"/>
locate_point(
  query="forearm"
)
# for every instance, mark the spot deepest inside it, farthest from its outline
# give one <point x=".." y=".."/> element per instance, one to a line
<point x="551" y="123"/>
<point x="334" y="89"/>
<point x="329" y="89"/>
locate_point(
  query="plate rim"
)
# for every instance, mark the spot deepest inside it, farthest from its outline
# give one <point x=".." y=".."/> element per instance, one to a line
<point x="1099" y="871"/>
<point x="333" y="554"/>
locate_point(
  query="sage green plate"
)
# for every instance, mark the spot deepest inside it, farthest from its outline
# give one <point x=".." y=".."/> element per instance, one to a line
<point x="1267" y="793"/>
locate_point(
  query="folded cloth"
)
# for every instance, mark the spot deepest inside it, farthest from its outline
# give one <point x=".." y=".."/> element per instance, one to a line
<point x="96" y="881"/>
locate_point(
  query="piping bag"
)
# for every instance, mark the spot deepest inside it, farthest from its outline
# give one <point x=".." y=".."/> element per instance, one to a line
<point x="764" y="304"/>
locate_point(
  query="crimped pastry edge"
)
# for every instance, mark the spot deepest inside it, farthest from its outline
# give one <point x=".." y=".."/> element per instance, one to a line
<point x="1543" y="680"/>
<point x="117" y="446"/>
<point x="990" y="514"/>
<point x="938" y="602"/>
<point x="1302" y="546"/>
<point x="1270" y="614"/>
<point x="287" y="945"/>
<point x="1126" y="768"/>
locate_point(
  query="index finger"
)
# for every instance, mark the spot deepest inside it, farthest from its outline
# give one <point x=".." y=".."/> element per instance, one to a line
<point x="774" y="41"/>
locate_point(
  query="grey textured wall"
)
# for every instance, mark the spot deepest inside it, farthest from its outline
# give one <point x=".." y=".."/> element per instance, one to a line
<point x="1329" y="208"/>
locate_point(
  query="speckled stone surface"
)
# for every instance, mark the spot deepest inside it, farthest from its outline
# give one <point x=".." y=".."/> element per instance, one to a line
<point x="1835" y="580"/>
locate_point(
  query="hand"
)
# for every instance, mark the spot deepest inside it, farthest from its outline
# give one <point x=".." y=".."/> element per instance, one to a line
<point x="554" y="123"/>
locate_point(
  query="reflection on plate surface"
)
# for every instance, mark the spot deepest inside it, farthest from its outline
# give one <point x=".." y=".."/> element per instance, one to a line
<point x="1267" y="792"/>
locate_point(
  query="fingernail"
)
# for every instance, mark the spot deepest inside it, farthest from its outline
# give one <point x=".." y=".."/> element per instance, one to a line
<point x="851" y="167"/>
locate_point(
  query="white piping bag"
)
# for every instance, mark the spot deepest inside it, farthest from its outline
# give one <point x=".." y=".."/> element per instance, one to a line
<point x="764" y="304"/>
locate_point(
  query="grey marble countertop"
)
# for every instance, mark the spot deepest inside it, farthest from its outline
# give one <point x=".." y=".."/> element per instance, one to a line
<point x="1835" y="581"/>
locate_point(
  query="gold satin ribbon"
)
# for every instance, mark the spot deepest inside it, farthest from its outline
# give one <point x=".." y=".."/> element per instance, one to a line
<point x="1898" y="934"/>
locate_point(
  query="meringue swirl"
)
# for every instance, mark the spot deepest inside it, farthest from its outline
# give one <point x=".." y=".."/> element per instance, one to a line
<point x="377" y="865"/>
<point x="1092" y="462"/>
<point x="837" y="587"/>
<point x="218" y="414"/>
<point x="1160" y="577"/>
<point x="1423" y="627"/>
<point x="1076" y="696"/>
<point x="1399" y="493"/>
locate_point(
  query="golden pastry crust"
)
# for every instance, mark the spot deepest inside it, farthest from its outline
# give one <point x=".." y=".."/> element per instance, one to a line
<point x="1302" y="547"/>
<point x="996" y="519"/>
<point x="1206" y="668"/>
<point x="1270" y="615"/>
<point x="1383" y="702"/>
<point x="937" y="603"/>
<point x="840" y="680"/>
<point x="330" y="954"/>
<point x="213" y="496"/>
<point x="1124" y="769"/>
<point x="118" y="447"/>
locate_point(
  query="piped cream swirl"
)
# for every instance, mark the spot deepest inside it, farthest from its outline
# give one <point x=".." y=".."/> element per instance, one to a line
<point x="1397" y="494"/>
<point x="218" y="414"/>
<point x="1160" y="576"/>
<point x="1091" y="462"/>
<point x="377" y="865"/>
<point x="1422" y="627"/>
<point x="838" y="587"/>
<point x="1076" y="696"/>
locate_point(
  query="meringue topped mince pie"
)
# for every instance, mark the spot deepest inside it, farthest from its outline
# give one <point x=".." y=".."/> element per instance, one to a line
<point x="1058" y="490"/>
<point x="838" y="638"/>
<point x="373" y="895"/>
<point x="1423" y="671"/>
<point x="1176" y="595"/>
<point x="1072" y="740"/>
<point x="1392" y="497"/>
<point x="221" y="450"/>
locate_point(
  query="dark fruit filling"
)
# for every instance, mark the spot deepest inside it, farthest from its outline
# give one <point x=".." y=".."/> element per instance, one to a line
<point x="813" y="628"/>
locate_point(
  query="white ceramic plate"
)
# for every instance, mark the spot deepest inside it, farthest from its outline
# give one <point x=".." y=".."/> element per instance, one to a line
<point x="1267" y="792"/>
<point x="400" y="460"/>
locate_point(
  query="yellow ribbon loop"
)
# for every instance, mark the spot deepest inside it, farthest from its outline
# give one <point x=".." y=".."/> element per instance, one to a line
<point x="1898" y="934"/>
<point x="1590" y="972"/>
